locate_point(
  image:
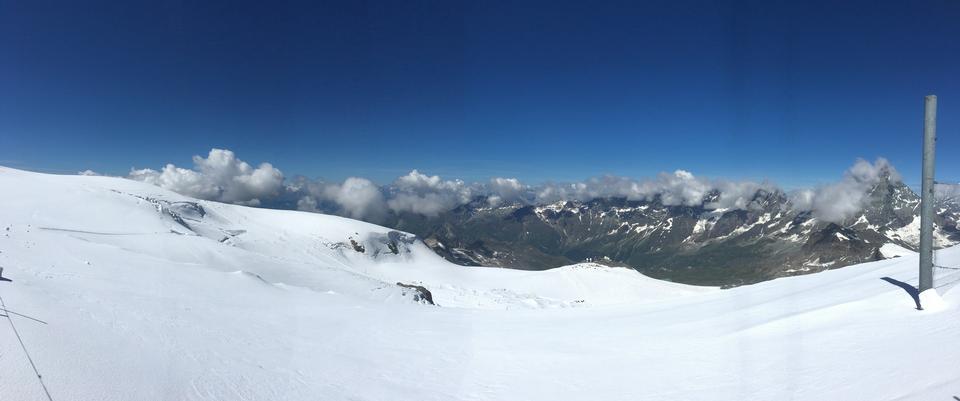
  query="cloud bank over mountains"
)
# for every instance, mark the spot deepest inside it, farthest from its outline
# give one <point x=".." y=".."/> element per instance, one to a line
<point x="680" y="188"/>
<point x="221" y="176"/>
<point x="843" y="199"/>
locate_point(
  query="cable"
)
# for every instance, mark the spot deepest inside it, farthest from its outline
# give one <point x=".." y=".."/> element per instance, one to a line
<point x="945" y="283"/>
<point x="33" y="365"/>
<point x="22" y="315"/>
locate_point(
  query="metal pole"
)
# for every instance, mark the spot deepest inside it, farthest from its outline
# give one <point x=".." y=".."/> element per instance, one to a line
<point x="926" y="193"/>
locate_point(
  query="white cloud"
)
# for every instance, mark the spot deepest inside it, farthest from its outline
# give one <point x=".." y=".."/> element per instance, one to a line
<point x="836" y="202"/>
<point x="864" y="172"/>
<point x="308" y="203"/>
<point x="505" y="190"/>
<point x="360" y="198"/>
<point x="737" y="195"/>
<point x="802" y="199"/>
<point x="844" y="199"/>
<point x="680" y="188"/>
<point x="88" y="173"/>
<point x="220" y="176"/>
<point x="599" y="187"/>
<point x="223" y="177"/>
<point x="427" y="195"/>
<point x="357" y="198"/>
<point x="180" y="180"/>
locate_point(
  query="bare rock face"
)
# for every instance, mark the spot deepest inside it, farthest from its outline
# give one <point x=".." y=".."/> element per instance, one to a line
<point x="356" y="246"/>
<point x="420" y="293"/>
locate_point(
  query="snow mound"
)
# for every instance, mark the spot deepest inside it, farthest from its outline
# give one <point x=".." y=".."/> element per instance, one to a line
<point x="931" y="301"/>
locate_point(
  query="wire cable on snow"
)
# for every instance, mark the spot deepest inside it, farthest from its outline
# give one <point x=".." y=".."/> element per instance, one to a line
<point x="946" y="279"/>
<point x="946" y="283"/>
<point x="33" y="365"/>
<point x="22" y="315"/>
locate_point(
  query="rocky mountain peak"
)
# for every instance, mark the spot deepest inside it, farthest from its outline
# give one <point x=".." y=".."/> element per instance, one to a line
<point x="721" y="241"/>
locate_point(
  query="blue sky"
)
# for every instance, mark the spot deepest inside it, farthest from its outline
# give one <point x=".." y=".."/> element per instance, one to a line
<point x="539" y="91"/>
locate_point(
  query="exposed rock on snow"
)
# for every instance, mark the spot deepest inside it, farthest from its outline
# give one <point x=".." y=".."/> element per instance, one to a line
<point x="421" y="294"/>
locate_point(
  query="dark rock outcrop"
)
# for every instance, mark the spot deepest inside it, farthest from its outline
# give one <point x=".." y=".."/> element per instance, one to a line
<point x="420" y="293"/>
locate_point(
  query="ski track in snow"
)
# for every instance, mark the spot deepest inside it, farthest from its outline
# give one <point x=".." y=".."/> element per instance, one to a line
<point x="286" y="309"/>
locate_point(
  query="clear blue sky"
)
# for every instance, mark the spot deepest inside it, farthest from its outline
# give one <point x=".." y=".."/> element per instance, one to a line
<point x="539" y="90"/>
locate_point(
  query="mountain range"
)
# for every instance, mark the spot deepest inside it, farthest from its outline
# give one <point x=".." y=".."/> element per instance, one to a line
<point x="116" y="290"/>
<point x="766" y="239"/>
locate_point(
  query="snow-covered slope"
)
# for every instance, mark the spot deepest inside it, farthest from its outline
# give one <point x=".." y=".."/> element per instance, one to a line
<point x="151" y="295"/>
<point x="129" y="221"/>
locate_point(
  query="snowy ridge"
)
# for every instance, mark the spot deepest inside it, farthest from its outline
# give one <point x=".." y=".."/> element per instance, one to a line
<point x="319" y="252"/>
<point x="151" y="295"/>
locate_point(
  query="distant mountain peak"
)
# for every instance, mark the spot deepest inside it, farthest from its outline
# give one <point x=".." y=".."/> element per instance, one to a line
<point x="718" y="242"/>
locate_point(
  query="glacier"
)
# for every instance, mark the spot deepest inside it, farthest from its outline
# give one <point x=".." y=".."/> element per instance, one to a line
<point x="147" y="294"/>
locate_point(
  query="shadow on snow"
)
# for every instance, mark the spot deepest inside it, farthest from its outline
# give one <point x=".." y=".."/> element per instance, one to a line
<point x="911" y="290"/>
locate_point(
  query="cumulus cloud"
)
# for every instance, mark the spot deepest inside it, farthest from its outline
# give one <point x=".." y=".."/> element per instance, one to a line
<point x="221" y="176"/>
<point x="427" y="195"/>
<point x="180" y="180"/>
<point x="359" y="197"/>
<point x="680" y="188"/>
<point x="737" y="195"/>
<point x="414" y="192"/>
<point x="834" y="202"/>
<point x="598" y="187"/>
<point x="503" y="190"/>
<point x="841" y="200"/>
<point x="868" y="173"/>
<point x="355" y="197"/>
<point x="88" y="173"/>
